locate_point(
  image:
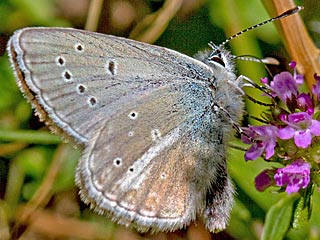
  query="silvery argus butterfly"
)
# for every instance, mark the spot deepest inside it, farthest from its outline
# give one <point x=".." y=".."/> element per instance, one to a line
<point x="154" y="123"/>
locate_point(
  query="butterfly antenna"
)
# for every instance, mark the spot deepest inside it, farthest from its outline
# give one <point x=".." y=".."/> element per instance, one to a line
<point x="267" y="60"/>
<point x="264" y="61"/>
<point x="283" y="15"/>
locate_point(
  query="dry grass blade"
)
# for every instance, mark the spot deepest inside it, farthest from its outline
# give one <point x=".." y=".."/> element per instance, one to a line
<point x="43" y="194"/>
<point x="93" y="15"/>
<point x="152" y="26"/>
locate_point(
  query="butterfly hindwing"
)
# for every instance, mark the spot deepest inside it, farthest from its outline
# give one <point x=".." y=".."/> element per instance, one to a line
<point x="145" y="164"/>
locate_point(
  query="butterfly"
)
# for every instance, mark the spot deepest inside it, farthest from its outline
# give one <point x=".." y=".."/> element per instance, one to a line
<point x="154" y="123"/>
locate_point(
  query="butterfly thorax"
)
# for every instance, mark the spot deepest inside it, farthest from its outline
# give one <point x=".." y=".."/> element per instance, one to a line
<point x="225" y="89"/>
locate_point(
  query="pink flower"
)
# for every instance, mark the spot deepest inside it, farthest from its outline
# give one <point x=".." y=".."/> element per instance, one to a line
<point x="301" y="127"/>
<point x="264" y="141"/>
<point x="304" y="103"/>
<point x="264" y="179"/>
<point x="316" y="88"/>
<point x="293" y="176"/>
<point x="298" y="77"/>
<point x="284" y="86"/>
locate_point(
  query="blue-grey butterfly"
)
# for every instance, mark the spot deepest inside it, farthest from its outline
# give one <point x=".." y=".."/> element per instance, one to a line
<point x="154" y="123"/>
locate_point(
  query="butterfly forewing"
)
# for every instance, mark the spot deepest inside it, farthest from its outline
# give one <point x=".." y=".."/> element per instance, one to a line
<point x="87" y="77"/>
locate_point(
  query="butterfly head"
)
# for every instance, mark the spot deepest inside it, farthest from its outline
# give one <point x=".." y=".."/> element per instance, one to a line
<point x="217" y="58"/>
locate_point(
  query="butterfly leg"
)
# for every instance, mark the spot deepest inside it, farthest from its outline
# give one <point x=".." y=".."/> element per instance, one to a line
<point x="239" y="83"/>
<point x="215" y="107"/>
<point x="249" y="83"/>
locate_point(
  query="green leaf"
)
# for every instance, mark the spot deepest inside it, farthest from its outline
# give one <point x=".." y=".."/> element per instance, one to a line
<point x="244" y="173"/>
<point x="29" y="136"/>
<point x="302" y="208"/>
<point x="278" y="218"/>
<point x="241" y="223"/>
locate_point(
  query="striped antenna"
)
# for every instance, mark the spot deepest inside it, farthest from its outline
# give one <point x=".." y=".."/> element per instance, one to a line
<point x="267" y="60"/>
<point x="283" y="15"/>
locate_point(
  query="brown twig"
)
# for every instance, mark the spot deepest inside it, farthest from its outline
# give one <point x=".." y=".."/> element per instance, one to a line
<point x="49" y="223"/>
<point x="297" y="40"/>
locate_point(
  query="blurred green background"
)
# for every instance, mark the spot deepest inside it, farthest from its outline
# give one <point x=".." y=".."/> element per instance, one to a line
<point x="28" y="152"/>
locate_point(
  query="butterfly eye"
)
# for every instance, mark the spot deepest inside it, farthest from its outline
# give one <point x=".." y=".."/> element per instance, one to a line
<point x="217" y="59"/>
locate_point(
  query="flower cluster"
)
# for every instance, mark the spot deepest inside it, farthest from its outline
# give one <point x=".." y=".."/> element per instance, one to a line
<point x="291" y="136"/>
